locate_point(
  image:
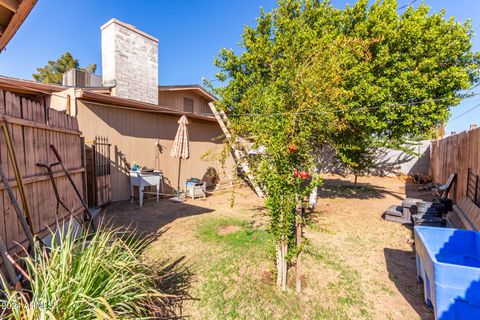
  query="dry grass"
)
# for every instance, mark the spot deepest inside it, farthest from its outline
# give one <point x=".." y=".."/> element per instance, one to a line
<point x="357" y="266"/>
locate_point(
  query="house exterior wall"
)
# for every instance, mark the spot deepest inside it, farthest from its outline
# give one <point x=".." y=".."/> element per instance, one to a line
<point x="174" y="100"/>
<point x="130" y="60"/>
<point x="134" y="136"/>
<point x="62" y="101"/>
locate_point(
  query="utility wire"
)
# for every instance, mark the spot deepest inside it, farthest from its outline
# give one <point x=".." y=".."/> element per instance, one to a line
<point x="349" y="110"/>
<point x="464" y="113"/>
<point x="407" y="5"/>
<point x="471" y="89"/>
<point x="465" y="96"/>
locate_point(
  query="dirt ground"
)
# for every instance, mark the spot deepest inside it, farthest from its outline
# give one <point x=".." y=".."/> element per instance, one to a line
<point x="382" y="251"/>
<point x="346" y="222"/>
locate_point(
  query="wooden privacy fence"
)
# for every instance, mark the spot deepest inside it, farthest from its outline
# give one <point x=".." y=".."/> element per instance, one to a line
<point x="33" y="129"/>
<point x="456" y="154"/>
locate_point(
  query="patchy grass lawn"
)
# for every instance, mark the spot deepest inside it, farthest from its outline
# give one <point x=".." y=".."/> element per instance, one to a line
<point x="234" y="277"/>
<point x="356" y="266"/>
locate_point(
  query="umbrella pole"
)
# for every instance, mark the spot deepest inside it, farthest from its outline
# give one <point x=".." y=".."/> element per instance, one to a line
<point x="177" y="198"/>
<point x="178" y="179"/>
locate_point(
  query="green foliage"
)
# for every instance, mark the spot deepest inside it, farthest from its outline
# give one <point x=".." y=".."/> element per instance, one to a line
<point x="53" y="71"/>
<point x="358" y="158"/>
<point x="86" y="278"/>
<point x="312" y="75"/>
<point x="417" y="56"/>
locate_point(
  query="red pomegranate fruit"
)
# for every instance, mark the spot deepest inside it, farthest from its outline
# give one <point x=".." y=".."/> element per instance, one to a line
<point x="304" y="175"/>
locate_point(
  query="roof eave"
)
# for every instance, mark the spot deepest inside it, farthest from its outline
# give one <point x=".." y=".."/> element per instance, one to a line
<point x="117" y="102"/>
<point x="193" y="87"/>
<point x="30" y="87"/>
<point x="16" y="21"/>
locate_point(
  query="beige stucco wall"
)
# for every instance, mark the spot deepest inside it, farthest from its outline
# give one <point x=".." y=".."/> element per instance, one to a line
<point x="134" y="135"/>
<point x="60" y="101"/>
<point x="174" y="100"/>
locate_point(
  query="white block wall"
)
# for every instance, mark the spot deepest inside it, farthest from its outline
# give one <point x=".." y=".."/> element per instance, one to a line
<point x="130" y="57"/>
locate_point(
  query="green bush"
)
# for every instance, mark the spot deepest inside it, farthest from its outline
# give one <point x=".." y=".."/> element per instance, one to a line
<point x="97" y="277"/>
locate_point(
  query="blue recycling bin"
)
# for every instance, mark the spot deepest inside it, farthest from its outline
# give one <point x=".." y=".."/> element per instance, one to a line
<point x="448" y="263"/>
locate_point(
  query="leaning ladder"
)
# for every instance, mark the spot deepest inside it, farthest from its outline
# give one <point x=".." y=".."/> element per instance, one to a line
<point x="239" y="154"/>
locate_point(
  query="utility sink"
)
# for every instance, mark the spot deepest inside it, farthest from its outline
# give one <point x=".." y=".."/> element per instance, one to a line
<point x="448" y="263"/>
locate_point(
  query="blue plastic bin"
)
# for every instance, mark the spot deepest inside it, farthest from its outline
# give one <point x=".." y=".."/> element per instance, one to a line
<point x="448" y="262"/>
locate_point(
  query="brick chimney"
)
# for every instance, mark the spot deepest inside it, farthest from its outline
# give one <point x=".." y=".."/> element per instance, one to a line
<point x="130" y="60"/>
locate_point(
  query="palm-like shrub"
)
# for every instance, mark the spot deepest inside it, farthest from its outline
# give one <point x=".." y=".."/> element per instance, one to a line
<point x="96" y="277"/>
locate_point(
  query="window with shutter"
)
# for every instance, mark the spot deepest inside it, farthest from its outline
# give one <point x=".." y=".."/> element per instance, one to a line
<point x="187" y="104"/>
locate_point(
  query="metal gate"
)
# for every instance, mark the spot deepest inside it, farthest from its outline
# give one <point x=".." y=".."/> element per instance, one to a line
<point x="473" y="187"/>
<point x="99" y="187"/>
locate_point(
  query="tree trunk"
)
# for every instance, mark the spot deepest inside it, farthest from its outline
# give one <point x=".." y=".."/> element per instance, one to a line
<point x="279" y="264"/>
<point x="282" y="249"/>
<point x="284" y="267"/>
<point x="298" y="276"/>
<point x="355" y="184"/>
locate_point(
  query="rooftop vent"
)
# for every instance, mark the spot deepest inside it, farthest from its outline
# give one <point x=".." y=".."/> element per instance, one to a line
<point x="188" y="104"/>
<point x="81" y="79"/>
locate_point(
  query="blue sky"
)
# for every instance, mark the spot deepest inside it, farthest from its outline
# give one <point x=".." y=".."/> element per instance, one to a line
<point x="190" y="34"/>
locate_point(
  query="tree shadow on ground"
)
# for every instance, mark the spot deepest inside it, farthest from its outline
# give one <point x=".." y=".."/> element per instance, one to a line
<point x="173" y="278"/>
<point x="412" y="190"/>
<point x="147" y="224"/>
<point x="401" y="267"/>
<point x="338" y="188"/>
<point x="149" y="220"/>
<point x="260" y="209"/>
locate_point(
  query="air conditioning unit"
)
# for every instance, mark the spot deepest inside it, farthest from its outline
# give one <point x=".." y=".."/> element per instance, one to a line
<point x="81" y="79"/>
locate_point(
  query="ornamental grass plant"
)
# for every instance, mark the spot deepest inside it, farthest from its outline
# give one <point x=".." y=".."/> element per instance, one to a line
<point x="96" y="276"/>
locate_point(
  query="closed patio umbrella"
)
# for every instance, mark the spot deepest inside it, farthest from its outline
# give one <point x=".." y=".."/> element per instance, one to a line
<point x="180" y="149"/>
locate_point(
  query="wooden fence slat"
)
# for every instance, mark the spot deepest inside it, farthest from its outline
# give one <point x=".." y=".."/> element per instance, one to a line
<point x="13" y="108"/>
<point x="33" y="128"/>
<point x="3" y="163"/>
<point x="29" y="155"/>
<point x="456" y="154"/>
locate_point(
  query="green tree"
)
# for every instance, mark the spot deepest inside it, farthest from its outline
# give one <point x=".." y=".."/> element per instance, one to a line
<point x="358" y="157"/>
<point x="312" y="75"/>
<point x="53" y="71"/>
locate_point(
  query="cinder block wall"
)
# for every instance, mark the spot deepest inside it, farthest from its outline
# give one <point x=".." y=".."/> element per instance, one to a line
<point x="130" y="57"/>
